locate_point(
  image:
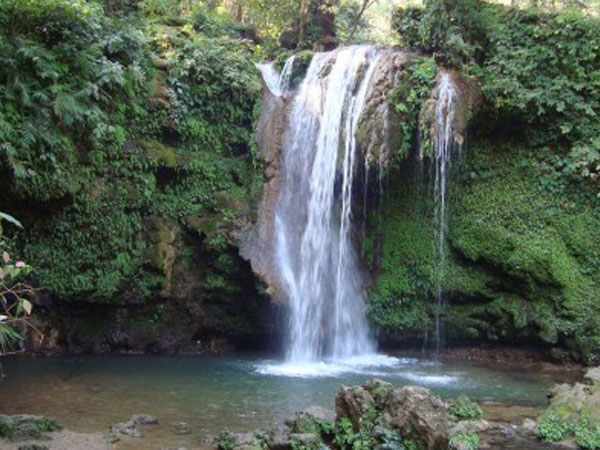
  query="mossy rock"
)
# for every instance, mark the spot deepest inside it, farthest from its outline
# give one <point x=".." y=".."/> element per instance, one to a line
<point x="160" y="153"/>
<point x="24" y="427"/>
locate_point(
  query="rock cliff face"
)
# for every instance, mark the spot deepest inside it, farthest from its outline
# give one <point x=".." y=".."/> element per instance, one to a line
<point x="258" y="240"/>
<point x="378" y="132"/>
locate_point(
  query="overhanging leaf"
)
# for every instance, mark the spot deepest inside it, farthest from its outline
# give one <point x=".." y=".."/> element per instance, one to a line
<point x="27" y="307"/>
<point x="11" y="219"/>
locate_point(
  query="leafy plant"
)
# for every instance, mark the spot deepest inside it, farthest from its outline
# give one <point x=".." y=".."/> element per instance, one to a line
<point x="464" y="409"/>
<point x="15" y="298"/>
<point x="467" y="441"/>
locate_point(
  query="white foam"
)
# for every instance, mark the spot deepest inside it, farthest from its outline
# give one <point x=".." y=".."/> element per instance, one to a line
<point x="428" y="379"/>
<point x="358" y="365"/>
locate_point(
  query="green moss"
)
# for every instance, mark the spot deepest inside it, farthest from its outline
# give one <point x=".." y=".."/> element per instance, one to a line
<point x="160" y="153"/>
<point x="521" y="263"/>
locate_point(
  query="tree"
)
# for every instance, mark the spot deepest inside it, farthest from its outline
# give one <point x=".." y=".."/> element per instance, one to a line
<point x="364" y="5"/>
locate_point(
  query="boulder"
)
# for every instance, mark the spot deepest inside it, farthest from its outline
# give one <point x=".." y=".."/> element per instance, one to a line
<point x="181" y="428"/>
<point x="353" y="403"/>
<point x="592" y="376"/>
<point x="143" y="419"/>
<point x="415" y="412"/>
<point x="574" y="410"/>
<point x="471" y="426"/>
<point x="279" y="438"/>
<point x="529" y="425"/>
<point x="127" y="428"/>
<point x="308" y="420"/>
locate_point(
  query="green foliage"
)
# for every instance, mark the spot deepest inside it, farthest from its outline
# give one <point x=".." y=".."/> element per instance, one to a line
<point x="561" y="422"/>
<point x="15" y="297"/>
<point x="402" y="238"/>
<point x="110" y="119"/>
<point x="225" y="441"/>
<point x="409" y="98"/>
<point x="587" y="434"/>
<point x="467" y="441"/>
<point x="522" y="256"/>
<point x="454" y="30"/>
<point x="464" y="409"/>
<point x="553" y="427"/>
<point x="369" y="435"/>
<point x="538" y="70"/>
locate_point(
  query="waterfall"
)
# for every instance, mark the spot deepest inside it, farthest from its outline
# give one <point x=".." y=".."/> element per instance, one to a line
<point x="285" y="77"/>
<point x="277" y="83"/>
<point x="314" y="250"/>
<point x="443" y="144"/>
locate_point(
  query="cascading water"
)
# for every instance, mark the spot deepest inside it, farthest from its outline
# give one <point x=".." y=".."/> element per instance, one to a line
<point x="443" y="146"/>
<point x="310" y="134"/>
<point x="313" y="224"/>
<point x="277" y="83"/>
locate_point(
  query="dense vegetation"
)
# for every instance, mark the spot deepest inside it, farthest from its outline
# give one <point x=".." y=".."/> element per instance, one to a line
<point x="126" y="151"/>
<point x="523" y="227"/>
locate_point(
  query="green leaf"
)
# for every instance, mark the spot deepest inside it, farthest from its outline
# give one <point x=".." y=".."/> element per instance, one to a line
<point x="10" y="219"/>
<point x="27" y="306"/>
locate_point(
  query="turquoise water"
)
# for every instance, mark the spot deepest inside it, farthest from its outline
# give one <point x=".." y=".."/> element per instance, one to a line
<point x="88" y="393"/>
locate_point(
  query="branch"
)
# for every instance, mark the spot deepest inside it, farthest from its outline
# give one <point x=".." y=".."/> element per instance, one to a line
<point x="366" y="4"/>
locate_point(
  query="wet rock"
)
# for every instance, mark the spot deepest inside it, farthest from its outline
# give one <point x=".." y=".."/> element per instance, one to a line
<point x="304" y="440"/>
<point x="592" y="376"/>
<point x="110" y="437"/>
<point x="529" y="425"/>
<point x="240" y="441"/>
<point x="279" y="438"/>
<point x="34" y="447"/>
<point x="308" y="420"/>
<point x="127" y="428"/>
<point x="471" y="426"/>
<point x="181" y="428"/>
<point x="380" y="125"/>
<point x="567" y="444"/>
<point x="143" y="419"/>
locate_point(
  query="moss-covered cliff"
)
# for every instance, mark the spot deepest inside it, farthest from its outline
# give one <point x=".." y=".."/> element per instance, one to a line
<point x="126" y="154"/>
<point x="523" y="225"/>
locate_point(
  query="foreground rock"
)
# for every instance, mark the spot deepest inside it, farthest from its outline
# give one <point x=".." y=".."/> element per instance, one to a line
<point x="573" y="417"/>
<point x="129" y="428"/>
<point x="413" y="412"/>
<point x="25" y="427"/>
<point x="28" y="432"/>
<point x="375" y="415"/>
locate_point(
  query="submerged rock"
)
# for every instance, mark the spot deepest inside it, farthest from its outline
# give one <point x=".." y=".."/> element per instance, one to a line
<point x="181" y="428"/>
<point x="129" y="427"/>
<point x="142" y="419"/>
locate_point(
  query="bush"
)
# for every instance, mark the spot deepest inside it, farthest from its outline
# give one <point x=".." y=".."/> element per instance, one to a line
<point x="464" y="409"/>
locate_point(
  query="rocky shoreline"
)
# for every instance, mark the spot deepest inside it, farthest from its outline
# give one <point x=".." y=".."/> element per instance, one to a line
<point x="375" y="415"/>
